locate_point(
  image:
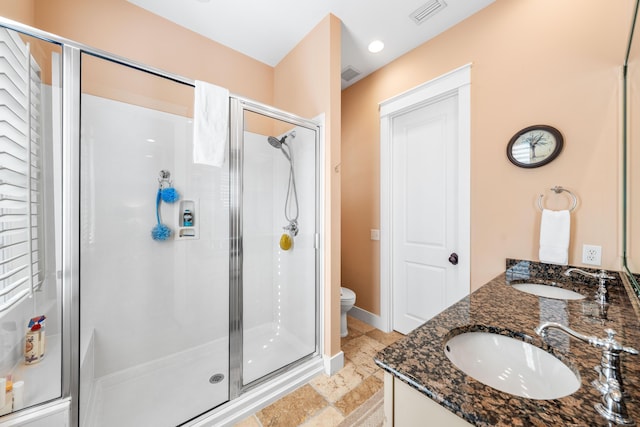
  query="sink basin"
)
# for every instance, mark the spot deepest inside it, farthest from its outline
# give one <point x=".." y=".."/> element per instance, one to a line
<point x="512" y="366"/>
<point x="547" y="291"/>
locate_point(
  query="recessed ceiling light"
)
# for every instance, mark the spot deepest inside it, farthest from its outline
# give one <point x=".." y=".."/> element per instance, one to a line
<point x="376" y="46"/>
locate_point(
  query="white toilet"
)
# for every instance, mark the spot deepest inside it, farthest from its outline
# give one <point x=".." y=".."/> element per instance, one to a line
<point x="347" y="300"/>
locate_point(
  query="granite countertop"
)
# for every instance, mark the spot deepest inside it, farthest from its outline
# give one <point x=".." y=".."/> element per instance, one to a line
<point x="419" y="359"/>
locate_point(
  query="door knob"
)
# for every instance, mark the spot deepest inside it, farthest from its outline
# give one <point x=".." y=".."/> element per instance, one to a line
<point x="453" y="258"/>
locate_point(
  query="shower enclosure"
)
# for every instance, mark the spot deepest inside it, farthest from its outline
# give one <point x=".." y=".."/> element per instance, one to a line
<point x="205" y="326"/>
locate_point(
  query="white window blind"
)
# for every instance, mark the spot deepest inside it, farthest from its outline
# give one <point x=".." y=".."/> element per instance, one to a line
<point x="20" y="171"/>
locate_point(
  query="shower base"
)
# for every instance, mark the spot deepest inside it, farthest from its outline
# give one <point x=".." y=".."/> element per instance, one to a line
<point x="161" y="392"/>
<point x="267" y="348"/>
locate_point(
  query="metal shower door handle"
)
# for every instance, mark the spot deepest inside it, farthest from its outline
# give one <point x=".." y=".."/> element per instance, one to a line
<point x="453" y="258"/>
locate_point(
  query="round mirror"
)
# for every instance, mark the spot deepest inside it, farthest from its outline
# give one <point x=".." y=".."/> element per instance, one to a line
<point x="534" y="146"/>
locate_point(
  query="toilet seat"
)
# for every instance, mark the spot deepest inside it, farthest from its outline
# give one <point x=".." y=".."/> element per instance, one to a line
<point x="347" y="296"/>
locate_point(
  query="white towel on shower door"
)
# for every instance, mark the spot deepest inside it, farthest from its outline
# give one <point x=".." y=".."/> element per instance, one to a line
<point x="555" y="229"/>
<point x="210" y="124"/>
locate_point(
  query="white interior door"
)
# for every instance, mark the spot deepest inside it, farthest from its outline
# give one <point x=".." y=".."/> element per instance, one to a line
<point x="424" y="174"/>
<point x="425" y="192"/>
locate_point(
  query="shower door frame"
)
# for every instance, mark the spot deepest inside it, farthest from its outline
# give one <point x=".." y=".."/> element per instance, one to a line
<point x="238" y="106"/>
<point x="70" y="274"/>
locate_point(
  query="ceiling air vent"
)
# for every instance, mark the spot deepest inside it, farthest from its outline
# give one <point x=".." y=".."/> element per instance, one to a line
<point x="349" y="73"/>
<point x="427" y="10"/>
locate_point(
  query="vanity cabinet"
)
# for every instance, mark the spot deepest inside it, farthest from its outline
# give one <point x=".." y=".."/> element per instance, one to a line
<point x="407" y="407"/>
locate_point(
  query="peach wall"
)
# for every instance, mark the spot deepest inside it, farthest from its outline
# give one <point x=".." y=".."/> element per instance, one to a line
<point x="534" y="62"/>
<point x="119" y="27"/>
<point x="19" y="10"/>
<point x="307" y="82"/>
<point x="146" y="38"/>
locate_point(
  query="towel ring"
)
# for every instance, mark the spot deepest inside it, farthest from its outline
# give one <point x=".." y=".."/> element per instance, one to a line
<point x="559" y="190"/>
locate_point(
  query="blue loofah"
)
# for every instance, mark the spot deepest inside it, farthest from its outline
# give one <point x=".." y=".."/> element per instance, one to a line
<point x="169" y="195"/>
<point x="161" y="232"/>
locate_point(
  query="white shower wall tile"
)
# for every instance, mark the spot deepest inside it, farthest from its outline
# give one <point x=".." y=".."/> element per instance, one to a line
<point x="147" y="299"/>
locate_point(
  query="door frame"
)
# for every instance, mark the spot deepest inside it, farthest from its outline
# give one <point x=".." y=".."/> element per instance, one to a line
<point x="457" y="81"/>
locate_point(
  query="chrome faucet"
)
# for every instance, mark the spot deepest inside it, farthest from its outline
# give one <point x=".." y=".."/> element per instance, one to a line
<point x="601" y="295"/>
<point x="609" y="382"/>
<point x="613" y="407"/>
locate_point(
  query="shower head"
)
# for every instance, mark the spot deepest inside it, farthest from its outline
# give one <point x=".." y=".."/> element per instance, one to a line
<point x="275" y="142"/>
<point x="279" y="144"/>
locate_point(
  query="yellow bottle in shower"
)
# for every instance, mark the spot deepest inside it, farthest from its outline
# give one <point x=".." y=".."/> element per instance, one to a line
<point x="286" y="241"/>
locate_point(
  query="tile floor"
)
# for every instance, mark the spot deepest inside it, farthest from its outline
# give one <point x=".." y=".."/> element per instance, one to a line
<point x="327" y="401"/>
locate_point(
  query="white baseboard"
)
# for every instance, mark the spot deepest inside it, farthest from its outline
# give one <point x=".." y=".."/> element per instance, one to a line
<point x="369" y="318"/>
<point x="333" y="364"/>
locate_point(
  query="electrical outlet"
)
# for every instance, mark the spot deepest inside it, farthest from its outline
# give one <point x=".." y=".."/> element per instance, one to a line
<point x="375" y="234"/>
<point x="591" y="254"/>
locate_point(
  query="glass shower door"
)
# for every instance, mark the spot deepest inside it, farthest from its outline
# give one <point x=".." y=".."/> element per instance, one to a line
<point x="154" y="307"/>
<point x="279" y="226"/>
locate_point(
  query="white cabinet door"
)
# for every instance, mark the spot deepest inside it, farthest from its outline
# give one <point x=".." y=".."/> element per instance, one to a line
<point x="413" y="409"/>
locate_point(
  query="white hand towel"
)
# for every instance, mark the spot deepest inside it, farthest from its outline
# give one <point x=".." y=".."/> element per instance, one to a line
<point x="210" y="124"/>
<point x="555" y="229"/>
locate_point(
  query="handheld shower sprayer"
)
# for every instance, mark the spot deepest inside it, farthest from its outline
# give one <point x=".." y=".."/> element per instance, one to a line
<point x="278" y="144"/>
<point x="291" y="230"/>
<point x="275" y="142"/>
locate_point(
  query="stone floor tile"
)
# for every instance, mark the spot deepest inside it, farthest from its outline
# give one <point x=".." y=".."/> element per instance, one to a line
<point x="293" y="409"/>
<point x="352" y="333"/>
<point x="334" y="387"/>
<point x="385" y="338"/>
<point x="358" y="396"/>
<point x="329" y="417"/>
<point x="358" y="325"/>
<point x="361" y="351"/>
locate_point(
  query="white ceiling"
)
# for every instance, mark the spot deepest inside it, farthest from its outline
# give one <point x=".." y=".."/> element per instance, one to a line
<point x="267" y="30"/>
